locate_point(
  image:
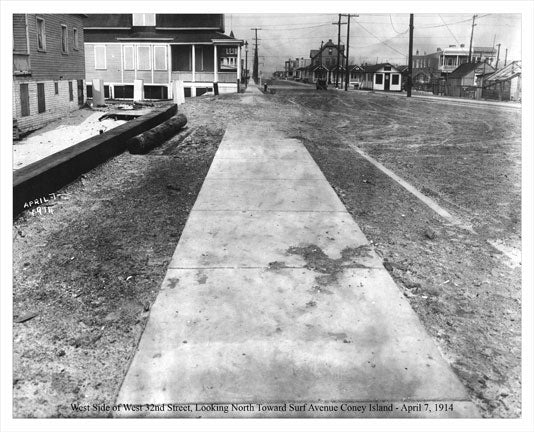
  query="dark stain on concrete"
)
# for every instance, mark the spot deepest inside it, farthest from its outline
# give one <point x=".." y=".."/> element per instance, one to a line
<point x="318" y="261"/>
<point x="202" y="278"/>
<point x="338" y="336"/>
<point x="275" y="265"/>
<point x="172" y="282"/>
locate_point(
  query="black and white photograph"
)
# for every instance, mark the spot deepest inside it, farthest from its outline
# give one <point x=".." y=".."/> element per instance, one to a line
<point x="227" y="215"/>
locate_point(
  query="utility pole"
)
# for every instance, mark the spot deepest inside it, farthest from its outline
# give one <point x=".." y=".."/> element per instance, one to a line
<point x="505" y="57"/>
<point x="410" y="60"/>
<point x="255" y="64"/>
<point x="347" y="72"/>
<point x="471" y="41"/>
<point x="246" y="62"/>
<point x="339" y="24"/>
<point x="498" y="54"/>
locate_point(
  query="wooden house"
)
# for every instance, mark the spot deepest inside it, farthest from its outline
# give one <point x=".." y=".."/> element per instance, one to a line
<point x="504" y="84"/>
<point x="381" y="77"/>
<point x="466" y="80"/>
<point x="324" y="61"/>
<point x="159" y="49"/>
<point x="356" y="77"/>
<point x="48" y="67"/>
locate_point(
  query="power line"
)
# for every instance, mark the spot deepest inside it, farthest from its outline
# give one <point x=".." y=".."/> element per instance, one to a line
<point x="393" y="27"/>
<point x="449" y="29"/>
<point x="382" y="42"/>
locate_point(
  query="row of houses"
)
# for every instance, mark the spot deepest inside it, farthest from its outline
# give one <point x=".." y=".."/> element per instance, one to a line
<point x="328" y="63"/>
<point x="56" y="57"/>
<point x="451" y="72"/>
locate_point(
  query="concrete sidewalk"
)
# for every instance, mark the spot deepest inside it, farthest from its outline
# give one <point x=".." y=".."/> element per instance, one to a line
<point x="274" y="296"/>
<point x="252" y="88"/>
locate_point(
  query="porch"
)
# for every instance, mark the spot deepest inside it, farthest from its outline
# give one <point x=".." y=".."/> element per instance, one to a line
<point x="204" y="63"/>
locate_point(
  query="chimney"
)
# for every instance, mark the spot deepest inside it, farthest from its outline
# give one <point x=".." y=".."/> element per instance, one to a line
<point x="462" y="45"/>
<point x="452" y="46"/>
<point x="417" y="52"/>
<point x="438" y="50"/>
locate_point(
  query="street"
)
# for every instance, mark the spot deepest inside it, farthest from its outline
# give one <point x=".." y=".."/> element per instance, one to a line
<point x="461" y="275"/>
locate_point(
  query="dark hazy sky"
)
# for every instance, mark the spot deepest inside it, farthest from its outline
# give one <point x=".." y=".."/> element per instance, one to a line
<point x="373" y="36"/>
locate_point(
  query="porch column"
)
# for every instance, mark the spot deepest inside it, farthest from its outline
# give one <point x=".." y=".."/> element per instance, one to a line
<point x="193" y="65"/>
<point x="215" y="75"/>
<point x="169" y="65"/>
<point x="239" y="64"/>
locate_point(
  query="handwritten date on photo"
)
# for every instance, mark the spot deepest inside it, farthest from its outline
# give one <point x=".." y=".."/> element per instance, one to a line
<point x="360" y="408"/>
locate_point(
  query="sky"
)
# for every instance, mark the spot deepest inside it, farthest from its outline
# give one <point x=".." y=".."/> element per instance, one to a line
<point x="374" y="37"/>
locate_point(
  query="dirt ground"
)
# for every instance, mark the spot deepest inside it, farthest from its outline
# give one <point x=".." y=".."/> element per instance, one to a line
<point x="93" y="267"/>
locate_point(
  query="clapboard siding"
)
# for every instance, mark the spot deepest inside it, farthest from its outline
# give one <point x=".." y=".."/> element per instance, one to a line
<point x="52" y="63"/>
<point x="20" y="44"/>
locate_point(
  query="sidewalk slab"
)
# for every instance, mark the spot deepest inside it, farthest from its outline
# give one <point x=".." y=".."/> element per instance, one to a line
<point x="268" y="335"/>
<point x="274" y="295"/>
<point x="222" y="239"/>
<point x="262" y="169"/>
<point x="273" y="195"/>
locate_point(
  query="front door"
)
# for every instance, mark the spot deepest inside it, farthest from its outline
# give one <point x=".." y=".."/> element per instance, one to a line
<point x="386" y="81"/>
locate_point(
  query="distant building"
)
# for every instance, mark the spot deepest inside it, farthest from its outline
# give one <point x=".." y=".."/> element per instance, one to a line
<point x="48" y="67"/>
<point x="300" y="71"/>
<point x="290" y="67"/>
<point x="504" y="84"/>
<point x="445" y="61"/>
<point x="466" y="80"/>
<point x="323" y="63"/>
<point x="160" y="49"/>
<point x="381" y="77"/>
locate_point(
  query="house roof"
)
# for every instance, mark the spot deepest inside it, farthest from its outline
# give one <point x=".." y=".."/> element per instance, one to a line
<point x="484" y="49"/>
<point x="166" y="20"/>
<point x="374" y="68"/>
<point x="329" y="44"/>
<point x="466" y="68"/>
<point x="174" y="36"/>
<point x="506" y="73"/>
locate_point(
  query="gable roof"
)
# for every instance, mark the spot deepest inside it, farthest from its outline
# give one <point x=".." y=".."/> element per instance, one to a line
<point x="329" y="44"/>
<point x="467" y="68"/>
<point x="374" y="68"/>
<point x="506" y="73"/>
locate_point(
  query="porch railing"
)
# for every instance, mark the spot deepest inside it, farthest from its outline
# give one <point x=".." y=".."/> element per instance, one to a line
<point x="208" y="77"/>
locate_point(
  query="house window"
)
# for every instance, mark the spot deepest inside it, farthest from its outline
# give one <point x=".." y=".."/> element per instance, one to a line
<point x="144" y="20"/>
<point x="64" y="39"/>
<point x="387" y="68"/>
<point x="450" y="61"/>
<point x="160" y="58"/>
<point x="24" y="100"/>
<point x="100" y="57"/>
<point x="143" y="57"/>
<point x="75" y="37"/>
<point x="41" y="34"/>
<point x="181" y="57"/>
<point x="71" y="93"/>
<point x="41" y="104"/>
<point x="395" y="79"/>
<point x="56" y="88"/>
<point x="128" y="61"/>
<point x="379" y="78"/>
